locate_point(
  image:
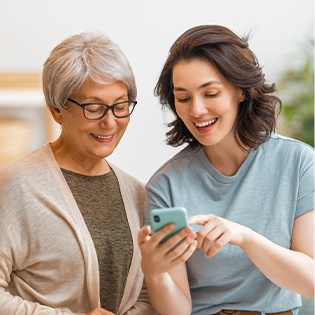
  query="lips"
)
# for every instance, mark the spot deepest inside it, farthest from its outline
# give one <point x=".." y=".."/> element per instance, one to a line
<point x="101" y="137"/>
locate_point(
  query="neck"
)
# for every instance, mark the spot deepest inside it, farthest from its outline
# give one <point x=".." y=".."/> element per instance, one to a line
<point x="76" y="163"/>
<point x="227" y="160"/>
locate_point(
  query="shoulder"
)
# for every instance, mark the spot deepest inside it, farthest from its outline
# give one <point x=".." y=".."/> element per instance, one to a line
<point x="25" y="167"/>
<point x="290" y="156"/>
<point x="127" y="181"/>
<point x="277" y="139"/>
<point x="285" y="146"/>
<point x="184" y="157"/>
<point x="173" y="168"/>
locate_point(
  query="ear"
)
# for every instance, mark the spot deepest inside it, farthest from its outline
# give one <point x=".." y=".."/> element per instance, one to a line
<point x="242" y="96"/>
<point x="55" y="112"/>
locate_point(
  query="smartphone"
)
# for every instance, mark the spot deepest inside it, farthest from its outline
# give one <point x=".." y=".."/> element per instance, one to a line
<point x="161" y="217"/>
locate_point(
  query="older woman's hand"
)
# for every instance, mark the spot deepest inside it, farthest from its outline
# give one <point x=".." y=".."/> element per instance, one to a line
<point x="100" y="311"/>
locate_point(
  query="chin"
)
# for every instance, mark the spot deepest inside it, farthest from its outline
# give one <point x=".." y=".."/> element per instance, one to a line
<point x="207" y="143"/>
<point x="104" y="154"/>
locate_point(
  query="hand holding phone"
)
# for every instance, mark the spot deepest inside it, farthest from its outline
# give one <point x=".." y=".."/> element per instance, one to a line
<point x="176" y="215"/>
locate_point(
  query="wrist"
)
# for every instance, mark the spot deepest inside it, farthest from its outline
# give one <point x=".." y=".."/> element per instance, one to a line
<point x="248" y="236"/>
<point x="149" y="278"/>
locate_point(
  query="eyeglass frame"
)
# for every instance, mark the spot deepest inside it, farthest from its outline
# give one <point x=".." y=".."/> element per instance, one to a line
<point x="108" y="107"/>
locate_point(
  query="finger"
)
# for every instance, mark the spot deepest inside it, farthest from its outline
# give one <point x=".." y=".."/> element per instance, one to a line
<point x="179" y="236"/>
<point x="210" y="239"/>
<point x="205" y="233"/>
<point x="190" y="250"/>
<point x="159" y="235"/>
<point x="200" y="219"/>
<point x="217" y="245"/>
<point x="184" y="256"/>
<point x="179" y="242"/>
<point x="100" y="311"/>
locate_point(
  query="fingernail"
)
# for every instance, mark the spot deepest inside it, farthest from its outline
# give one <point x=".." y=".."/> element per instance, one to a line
<point x="188" y="230"/>
<point x="171" y="226"/>
<point x="192" y="235"/>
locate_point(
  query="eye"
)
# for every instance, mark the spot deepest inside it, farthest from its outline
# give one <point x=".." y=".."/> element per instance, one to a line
<point x="183" y="99"/>
<point x="94" y="108"/>
<point x="211" y="95"/>
<point x="122" y="106"/>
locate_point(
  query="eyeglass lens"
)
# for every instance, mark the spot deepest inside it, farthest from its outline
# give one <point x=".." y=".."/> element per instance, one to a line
<point x="97" y="111"/>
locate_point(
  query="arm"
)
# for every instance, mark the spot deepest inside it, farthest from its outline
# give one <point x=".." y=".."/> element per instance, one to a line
<point x="10" y="304"/>
<point x="291" y="269"/>
<point x="143" y="305"/>
<point x="164" y="268"/>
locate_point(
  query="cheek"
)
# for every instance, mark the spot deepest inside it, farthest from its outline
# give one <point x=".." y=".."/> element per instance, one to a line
<point x="181" y="112"/>
<point x="123" y="123"/>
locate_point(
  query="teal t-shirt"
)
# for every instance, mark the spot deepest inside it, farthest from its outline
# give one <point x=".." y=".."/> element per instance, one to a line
<point x="274" y="185"/>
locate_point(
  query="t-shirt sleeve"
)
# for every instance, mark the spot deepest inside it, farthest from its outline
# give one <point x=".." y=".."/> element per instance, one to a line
<point x="157" y="195"/>
<point x="305" y="199"/>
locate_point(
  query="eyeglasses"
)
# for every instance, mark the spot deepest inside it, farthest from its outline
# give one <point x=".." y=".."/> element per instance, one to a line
<point x="94" y="111"/>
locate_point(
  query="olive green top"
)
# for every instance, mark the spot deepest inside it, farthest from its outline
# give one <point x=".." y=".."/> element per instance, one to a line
<point x="100" y="202"/>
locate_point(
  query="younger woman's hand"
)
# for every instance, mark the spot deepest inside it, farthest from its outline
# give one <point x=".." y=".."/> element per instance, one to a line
<point x="159" y="258"/>
<point x="216" y="232"/>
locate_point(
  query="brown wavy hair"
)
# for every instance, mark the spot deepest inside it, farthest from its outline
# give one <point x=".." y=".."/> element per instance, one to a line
<point x="230" y="54"/>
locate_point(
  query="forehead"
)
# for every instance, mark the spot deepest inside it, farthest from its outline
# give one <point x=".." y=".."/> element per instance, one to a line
<point x="195" y="72"/>
<point x="91" y="88"/>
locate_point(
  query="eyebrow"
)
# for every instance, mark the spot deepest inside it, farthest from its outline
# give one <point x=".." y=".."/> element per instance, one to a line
<point x="177" y="89"/>
<point x="94" y="99"/>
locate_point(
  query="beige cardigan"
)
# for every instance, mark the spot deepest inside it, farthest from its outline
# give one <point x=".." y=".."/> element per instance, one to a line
<point x="48" y="263"/>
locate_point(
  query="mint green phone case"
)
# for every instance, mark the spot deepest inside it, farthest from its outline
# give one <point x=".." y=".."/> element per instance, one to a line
<point x="161" y="217"/>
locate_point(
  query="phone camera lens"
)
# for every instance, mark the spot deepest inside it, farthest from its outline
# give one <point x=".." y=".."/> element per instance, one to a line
<point x="156" y="218"/>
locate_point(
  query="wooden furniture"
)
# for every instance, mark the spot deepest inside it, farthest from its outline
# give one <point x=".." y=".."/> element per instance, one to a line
<point x="25" y="121"/>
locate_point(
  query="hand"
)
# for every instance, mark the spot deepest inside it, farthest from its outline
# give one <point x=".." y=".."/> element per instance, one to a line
<point x="100" y="311"/>
<point x="159" y="258"/>
<point x="216" y="232"/>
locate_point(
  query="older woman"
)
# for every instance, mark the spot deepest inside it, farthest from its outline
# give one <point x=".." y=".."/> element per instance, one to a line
<point x="69" y="218"/>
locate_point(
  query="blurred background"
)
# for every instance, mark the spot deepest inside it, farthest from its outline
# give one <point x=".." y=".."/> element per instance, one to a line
<point x="282" y="37"/>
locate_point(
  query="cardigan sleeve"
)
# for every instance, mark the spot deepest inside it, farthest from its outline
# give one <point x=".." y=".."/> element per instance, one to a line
<point x="10" y="304"/>
<point x="32" y="251"/>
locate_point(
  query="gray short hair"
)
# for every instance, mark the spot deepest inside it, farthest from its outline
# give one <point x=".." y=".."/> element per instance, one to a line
<point x="82" y="56"/>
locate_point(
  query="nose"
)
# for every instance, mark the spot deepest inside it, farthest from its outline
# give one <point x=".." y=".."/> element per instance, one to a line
<point x="198" y="108"/>
<point x="109" y="120"/>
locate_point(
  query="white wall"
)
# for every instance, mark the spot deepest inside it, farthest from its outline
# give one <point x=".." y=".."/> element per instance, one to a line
<point x="144" y="29"/>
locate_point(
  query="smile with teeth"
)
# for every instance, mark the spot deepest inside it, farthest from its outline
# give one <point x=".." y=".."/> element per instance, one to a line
<point x="206" y="123"/>
<point x="102" y="137"/>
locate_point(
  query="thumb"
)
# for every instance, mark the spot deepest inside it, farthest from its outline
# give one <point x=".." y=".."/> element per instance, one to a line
<point x="143" y="233"/>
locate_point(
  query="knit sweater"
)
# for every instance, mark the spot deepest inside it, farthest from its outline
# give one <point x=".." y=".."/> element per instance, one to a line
<point x="48" y="262"/>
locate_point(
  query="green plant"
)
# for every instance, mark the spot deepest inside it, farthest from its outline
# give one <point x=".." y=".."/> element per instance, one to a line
<point x="296" y="89"/>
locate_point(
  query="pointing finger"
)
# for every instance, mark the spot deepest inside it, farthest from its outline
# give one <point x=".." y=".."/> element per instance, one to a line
<point x="200" y="219"/>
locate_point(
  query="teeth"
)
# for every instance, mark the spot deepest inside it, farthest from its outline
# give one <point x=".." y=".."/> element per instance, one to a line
<point x="102" y="137"/>
<point x="206" y="123"/>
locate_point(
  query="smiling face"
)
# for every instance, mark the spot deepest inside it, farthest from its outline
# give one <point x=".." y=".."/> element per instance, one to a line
<point x="92" y="140"/>
<point x="205" y="101"/>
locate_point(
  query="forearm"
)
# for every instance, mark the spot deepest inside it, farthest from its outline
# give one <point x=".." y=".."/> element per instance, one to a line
<point x="166" y="297"/>
<point x="14" y="305"/>
<point x="143" y="305"/>
<point x="289" y="269"/>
